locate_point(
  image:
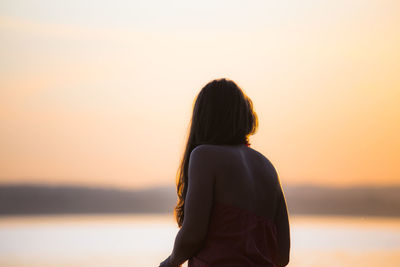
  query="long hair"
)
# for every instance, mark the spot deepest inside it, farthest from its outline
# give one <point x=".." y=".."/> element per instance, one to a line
<point x="222" y="115"/>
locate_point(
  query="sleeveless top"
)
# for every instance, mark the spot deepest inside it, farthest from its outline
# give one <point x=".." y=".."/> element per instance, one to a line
<point x="237" y="237"/>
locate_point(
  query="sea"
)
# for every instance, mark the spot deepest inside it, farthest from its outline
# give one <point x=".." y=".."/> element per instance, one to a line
<point x="146" y="240"/>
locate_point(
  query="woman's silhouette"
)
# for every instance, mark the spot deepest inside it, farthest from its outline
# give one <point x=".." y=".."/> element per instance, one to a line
<point x="231" y="209"/>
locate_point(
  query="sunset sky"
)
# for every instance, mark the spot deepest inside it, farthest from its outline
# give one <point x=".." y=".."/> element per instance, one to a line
<point x="101" y="92"/>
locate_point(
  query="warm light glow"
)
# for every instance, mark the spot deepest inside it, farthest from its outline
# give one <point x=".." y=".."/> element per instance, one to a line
<point x="103" y="94"/>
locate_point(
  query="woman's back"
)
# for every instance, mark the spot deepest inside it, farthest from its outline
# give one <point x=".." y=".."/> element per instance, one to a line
<point x="246" y="179"/>
<point x="243" y="227"/>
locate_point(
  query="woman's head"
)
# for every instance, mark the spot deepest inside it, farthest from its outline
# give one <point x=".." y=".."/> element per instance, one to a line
<point x="222" y="115"/>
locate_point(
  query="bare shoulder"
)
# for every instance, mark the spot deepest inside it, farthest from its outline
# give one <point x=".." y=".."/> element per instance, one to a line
<point x="261" y="157"/>
<point x="202" y="162"/>
<point x="211" y="154"/>
<point x="208" y="149"/>
<point x="203" y="150"/>
<point x="218" y="150"/>
<point x="205" y="154"/>
<point x="258" y="154"/>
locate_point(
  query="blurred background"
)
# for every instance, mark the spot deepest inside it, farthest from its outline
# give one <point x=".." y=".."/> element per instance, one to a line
<point x="96" y="99"/>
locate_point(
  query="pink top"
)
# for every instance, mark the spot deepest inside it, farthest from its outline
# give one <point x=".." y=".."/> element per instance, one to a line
<point x="237" y="237"/>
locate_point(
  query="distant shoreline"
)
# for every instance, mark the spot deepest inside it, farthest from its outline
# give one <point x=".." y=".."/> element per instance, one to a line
<point x="305" y="200"/>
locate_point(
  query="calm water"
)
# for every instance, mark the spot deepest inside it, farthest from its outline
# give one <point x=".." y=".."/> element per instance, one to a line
<point x="145" y="240"/>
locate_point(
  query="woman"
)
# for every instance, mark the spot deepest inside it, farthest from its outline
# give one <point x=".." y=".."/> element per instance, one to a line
<point x="231" y="209"/>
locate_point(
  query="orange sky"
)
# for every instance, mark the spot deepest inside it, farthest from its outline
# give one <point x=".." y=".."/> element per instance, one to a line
<point x="103" y="94"/>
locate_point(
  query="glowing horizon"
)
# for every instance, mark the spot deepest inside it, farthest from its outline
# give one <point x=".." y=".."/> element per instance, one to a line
<point x="103" y="94"/>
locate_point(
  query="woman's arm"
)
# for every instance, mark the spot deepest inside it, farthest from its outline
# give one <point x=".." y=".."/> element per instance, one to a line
<point x="198" y="206"/>
<point x="282" y="224"/>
